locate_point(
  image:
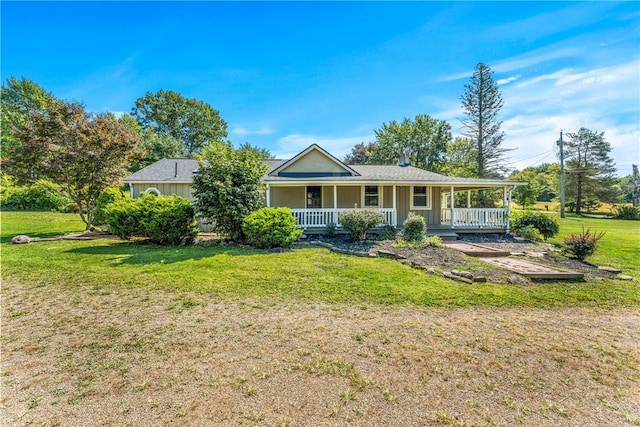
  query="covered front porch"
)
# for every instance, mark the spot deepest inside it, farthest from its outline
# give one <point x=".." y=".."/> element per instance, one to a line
<point x="473" y="219"/>
<point x="322" y="218"/>
<point x="319" y="206"/>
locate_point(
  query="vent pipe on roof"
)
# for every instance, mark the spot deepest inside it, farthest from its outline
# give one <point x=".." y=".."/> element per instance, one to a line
<point x="176" y="174"/>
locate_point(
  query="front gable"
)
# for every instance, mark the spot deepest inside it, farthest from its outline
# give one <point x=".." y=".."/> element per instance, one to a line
<point x="314" y="162"/>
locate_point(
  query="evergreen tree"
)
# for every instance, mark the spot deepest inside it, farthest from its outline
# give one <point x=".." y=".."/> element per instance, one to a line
<point x="590" y="169"/>
<point x="481" y="103"/>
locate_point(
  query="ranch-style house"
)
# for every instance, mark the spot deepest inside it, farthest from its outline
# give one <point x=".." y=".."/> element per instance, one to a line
<point x="317" y="186"/>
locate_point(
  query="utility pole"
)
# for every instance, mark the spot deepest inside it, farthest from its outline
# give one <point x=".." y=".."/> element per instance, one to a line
<point x="561" y="145"/>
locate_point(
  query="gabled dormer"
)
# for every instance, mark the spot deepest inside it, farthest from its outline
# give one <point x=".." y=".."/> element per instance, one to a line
<point x="313" y="162"/>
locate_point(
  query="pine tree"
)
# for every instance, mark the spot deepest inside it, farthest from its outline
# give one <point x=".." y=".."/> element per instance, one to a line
<point x="590" y="169"/>
<point x="481" y="103"/>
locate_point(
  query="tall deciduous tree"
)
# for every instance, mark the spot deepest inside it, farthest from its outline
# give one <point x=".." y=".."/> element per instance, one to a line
<point x="262" y="152"/>
<point x="82" y="152"/>
<point x="423" y="141"/>
<point x="590" y="169"/>
<point x="19" y="98"/>
<point x="188" y="120"/>
<point x="481" y="103"/>
<point x="360" y="154"/>
<point x="460" y="158"/>
<point x="228" y="187"/>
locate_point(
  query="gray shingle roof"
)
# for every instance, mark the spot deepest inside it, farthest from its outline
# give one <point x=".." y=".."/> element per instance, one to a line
<point x="182" y="170"/>
<point x="166" y="170"/>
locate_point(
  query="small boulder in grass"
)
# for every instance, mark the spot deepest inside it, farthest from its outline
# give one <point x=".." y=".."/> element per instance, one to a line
<point x="21" y="240"/>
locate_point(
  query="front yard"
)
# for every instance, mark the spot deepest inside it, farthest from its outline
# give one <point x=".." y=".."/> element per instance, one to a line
<point x="116" y="333"/>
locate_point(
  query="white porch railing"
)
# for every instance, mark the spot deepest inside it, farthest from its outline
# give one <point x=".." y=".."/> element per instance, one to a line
<point x="475" y="217"/>
<point x="322" y="217"/>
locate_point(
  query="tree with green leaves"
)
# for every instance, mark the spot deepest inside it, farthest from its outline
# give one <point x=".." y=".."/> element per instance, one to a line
<point x="228" y="187"/>
<point x="422" y="142"/>
<point x="262" y="152"/>
<point x="192" y="122"/>
<point x="19" y="98"/>
<point x="360" y="154"/>
<point x="481" y="103"/>
<point x="537" y="183"/>
<point x="83" y="153"/>
<point x="589" y="168"/>
<point x="459" y="158"/>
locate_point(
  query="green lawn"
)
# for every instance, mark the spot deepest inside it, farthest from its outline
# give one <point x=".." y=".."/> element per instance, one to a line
<point x="309" y="274"/>
<point x="620" y="246"/>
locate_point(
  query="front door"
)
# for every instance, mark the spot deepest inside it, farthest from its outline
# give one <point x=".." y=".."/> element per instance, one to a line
<point x="314" y="197"/>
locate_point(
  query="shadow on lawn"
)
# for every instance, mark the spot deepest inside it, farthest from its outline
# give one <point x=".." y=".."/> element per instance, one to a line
<point x="137" y="253"/>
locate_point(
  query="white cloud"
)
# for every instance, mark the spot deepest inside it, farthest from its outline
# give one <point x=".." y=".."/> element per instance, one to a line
<point x="290" y="145"/>
<point x="507" y="80"/>
<point x="244" y="131"/>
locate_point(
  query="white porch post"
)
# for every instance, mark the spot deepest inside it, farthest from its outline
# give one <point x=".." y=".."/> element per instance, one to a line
<point x="131" y="190"/>
<point x="268" y="196"/>
<point x="452" y="199"/>
<point x="393" y="205"/>
<point x="335" y="205"/>
<point x="508" y="213"/>
<point x="504" y="197"/>
<point x="468" y="199"/>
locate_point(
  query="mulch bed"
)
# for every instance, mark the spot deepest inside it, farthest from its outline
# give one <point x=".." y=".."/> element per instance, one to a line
<point x="442" y="259"/>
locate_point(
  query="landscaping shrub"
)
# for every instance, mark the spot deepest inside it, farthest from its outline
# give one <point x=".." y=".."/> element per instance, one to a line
<point x="582" y="245"/>
<point x="271" y="227"/>
<point x="387" y="232"/>
<point x="42" y="195"/>
<point x="109" y="195"/>
<point x="626" y="212"/>
<point x="545" y="224"/>
<point x="165" y="220"/>
<point x="123" y="217"/>
<point x="331" y="229"/>
<point x="529" y="232"/>
<point x="359" y="222"/>
<point x="414" y="228"/>
<point x="169" y="220"/>
<point x="434" y="241"/>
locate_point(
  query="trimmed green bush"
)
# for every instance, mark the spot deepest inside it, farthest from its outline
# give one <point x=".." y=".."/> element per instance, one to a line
<point x="109" y="195"/>
<point x="359" y="222"/>
<point x="271" y="227"/>
<point x="414" y="228"/>
<point x="626" y="212"/>
<point x="582" y="245"/>
<point x="42" y="195"/>
<point x="529" y="232"/>
<point x="544" y="223"/>
<point x="165" y="220"/>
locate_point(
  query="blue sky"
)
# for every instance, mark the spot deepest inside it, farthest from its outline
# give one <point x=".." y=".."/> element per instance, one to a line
<point x="286" y="75"/>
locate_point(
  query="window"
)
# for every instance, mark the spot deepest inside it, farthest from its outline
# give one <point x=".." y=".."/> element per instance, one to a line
<point x="420" y="197"/>
<point x="314" y="197"/>
<point x="371" y="196"/>
<point x="153" y="190"/>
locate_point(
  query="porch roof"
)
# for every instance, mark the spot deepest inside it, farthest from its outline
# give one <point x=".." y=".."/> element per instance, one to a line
<point x="385" y="174"/>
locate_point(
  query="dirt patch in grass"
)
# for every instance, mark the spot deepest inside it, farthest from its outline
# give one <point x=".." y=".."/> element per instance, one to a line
<point x="110" y="356"/>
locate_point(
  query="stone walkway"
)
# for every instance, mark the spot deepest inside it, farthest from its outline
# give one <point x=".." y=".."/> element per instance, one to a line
<point x="502" y="259"/>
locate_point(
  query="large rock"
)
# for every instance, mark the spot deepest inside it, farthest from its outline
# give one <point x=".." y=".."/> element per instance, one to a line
<point x="21" y="240"/>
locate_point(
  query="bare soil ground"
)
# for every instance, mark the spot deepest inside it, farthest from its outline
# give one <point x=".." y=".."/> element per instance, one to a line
<point x="84" y="357"/>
